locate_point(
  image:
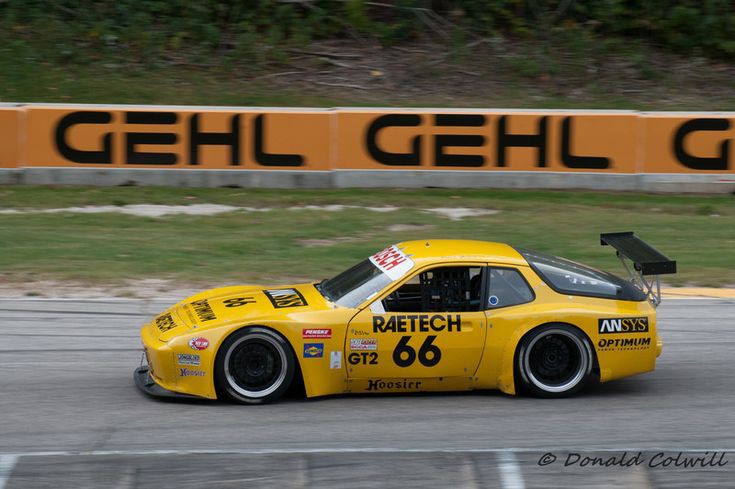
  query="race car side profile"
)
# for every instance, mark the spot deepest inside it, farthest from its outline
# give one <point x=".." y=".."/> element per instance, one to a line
<point x="418" y="316"/>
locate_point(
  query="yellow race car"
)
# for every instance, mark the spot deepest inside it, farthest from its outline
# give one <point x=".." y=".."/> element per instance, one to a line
<point x="436" y="315"/>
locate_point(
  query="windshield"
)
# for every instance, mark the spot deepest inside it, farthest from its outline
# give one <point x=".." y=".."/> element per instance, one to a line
<point x="568" y="277"/>
<point x="357" y="284"/>
<point x="352" y="287"/>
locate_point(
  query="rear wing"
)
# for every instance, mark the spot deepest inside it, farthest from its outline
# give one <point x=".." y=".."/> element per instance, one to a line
<point x="646" y="261"/>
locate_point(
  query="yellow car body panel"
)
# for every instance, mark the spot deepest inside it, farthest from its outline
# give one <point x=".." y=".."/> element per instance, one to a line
<point x="352" y="349"/>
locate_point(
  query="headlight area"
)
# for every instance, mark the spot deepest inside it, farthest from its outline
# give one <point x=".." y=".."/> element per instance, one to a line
<point x="183" y="364"/>
<point x="160" y="357"/>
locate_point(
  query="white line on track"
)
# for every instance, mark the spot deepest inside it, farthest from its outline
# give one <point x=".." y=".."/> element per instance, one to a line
<point x="7" y="464"/>
<point x="280" y="451"/>
<point x="510" y="471"/>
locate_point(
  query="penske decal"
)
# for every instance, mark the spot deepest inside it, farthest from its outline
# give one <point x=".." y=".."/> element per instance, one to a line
<point x="392" y="262"/>
<point x="623" y="325"/>
<point x="422" y="323"/>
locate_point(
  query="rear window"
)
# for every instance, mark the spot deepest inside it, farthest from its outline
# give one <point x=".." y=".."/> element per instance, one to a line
<point x="568" y="277"/>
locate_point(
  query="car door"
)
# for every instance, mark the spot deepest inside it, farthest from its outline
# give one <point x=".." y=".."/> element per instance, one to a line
<point x="431" y="325"/>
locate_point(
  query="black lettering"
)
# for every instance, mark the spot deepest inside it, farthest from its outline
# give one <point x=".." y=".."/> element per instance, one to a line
<point x="270" y="159"/>
<point x="378" y="324"/>
<point x="400" y="324"/>
<point x="132" y="139"/>
<point x="506" y="140"/>
<point x="103" y="156"/>
<point x="573" y="161"/>
<point x="435" y="318"/>
<point x="391" y="325"/>
<point x="456" y="322"/>
<point x="442" y="141"/>
<point x="231" y="139"/>
<point x="698" y="162"/>
<point x="395" y="159"/>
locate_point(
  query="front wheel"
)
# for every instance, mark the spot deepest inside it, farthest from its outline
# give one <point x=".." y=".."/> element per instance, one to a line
<point x="555" y="360"/>
<point x="254" y="366"/>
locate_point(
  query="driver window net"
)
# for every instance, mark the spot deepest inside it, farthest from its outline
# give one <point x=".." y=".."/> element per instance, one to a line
<point x="446" y="290"/>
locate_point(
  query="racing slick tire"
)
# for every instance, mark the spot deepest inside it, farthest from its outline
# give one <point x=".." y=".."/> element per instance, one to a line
<point x="554" y="360"/>
<point x="254" y="366"/>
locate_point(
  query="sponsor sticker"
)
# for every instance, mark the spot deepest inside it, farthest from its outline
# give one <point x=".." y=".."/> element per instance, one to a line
<point x="199" y="343"/>
<point x="187" y="372"/>
<point x="285" y="298"/>
<point x="623" y="325"/>
<point x="188" y="359"/>
<point x="335" y="360"/>
<point x="392" y="262"/>
<point x="363" y="344"/>
<point x="388" y="385"/>
<point x="313" y="350"/>
<point x="203" y="310"/>
<point x="624" y="344"/>
<point x="312" y="333"/>
<point x="164" y="322"/>
<point x="421" y="323"/>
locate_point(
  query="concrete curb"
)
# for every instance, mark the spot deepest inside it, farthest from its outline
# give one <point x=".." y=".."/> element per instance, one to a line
<point x="298" y="179"/>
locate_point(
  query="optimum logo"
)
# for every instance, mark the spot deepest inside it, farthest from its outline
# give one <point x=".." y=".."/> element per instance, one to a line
<point x="623" y="325"/>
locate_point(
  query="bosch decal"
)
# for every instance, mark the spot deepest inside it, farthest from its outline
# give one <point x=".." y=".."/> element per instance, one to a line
<point x="316" y="333"/>
<point x="313" y="350"/>
<point x="422" y="323"/>
<point x="392" y="262"/>
<point x="188" y="359"/>
<point x="623" y="325"/>
<point x="199" y="343"/>
<point x="285" y="298"/>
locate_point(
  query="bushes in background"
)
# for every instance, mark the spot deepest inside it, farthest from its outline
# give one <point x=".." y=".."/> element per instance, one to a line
<point x="192" y="30"/>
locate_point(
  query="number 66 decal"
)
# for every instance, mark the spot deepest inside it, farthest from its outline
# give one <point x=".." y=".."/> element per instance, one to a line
<point x="429" y="354"/>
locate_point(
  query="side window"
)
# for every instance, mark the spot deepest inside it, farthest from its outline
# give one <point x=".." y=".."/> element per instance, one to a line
<point x="441" y="289"/>
<point x="507" y="287"/>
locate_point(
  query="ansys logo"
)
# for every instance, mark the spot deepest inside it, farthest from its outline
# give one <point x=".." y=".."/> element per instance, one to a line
<point x="623" y="325"/>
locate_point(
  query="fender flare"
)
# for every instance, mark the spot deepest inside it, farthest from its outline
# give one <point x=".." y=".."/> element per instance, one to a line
<point x="506" y="380"/>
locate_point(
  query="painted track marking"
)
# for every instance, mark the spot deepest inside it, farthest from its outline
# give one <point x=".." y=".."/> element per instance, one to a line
<point x="7" y="464"/>
<point x="510" y="471"/>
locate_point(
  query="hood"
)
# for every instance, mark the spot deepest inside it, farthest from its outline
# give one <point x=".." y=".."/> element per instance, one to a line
<point x="230" y="305"/>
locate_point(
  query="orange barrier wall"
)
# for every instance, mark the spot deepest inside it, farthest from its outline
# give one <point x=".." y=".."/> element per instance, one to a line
<point x="9" y="137"/>
<point x="487" y="140"/>
<point x="688" y="143"/>
<point x="622" y="142"/>
<point x="160" y="137"/>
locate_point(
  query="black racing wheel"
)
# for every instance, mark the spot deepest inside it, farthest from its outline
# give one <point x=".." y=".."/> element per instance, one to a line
<point x="254" y="366"/>
<point x="555" y="360"/>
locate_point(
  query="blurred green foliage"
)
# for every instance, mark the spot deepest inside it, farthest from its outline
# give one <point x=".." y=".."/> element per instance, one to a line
<point x="191" y="31"/>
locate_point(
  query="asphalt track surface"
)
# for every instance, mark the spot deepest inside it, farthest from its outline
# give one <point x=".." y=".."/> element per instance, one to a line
<point x="70" y="416"/>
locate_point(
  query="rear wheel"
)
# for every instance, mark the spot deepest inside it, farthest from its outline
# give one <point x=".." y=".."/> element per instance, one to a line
<point x="555" y="360"/>
<point x="254" y="366"/>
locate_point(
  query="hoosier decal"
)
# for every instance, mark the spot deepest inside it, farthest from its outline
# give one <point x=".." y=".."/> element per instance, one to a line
<point x="285" y="298"/>
<point x="623" y="325"/>
<point x="382" y="385"/>
<point x="412" y="323"/>
<point x="203" y="310"/>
